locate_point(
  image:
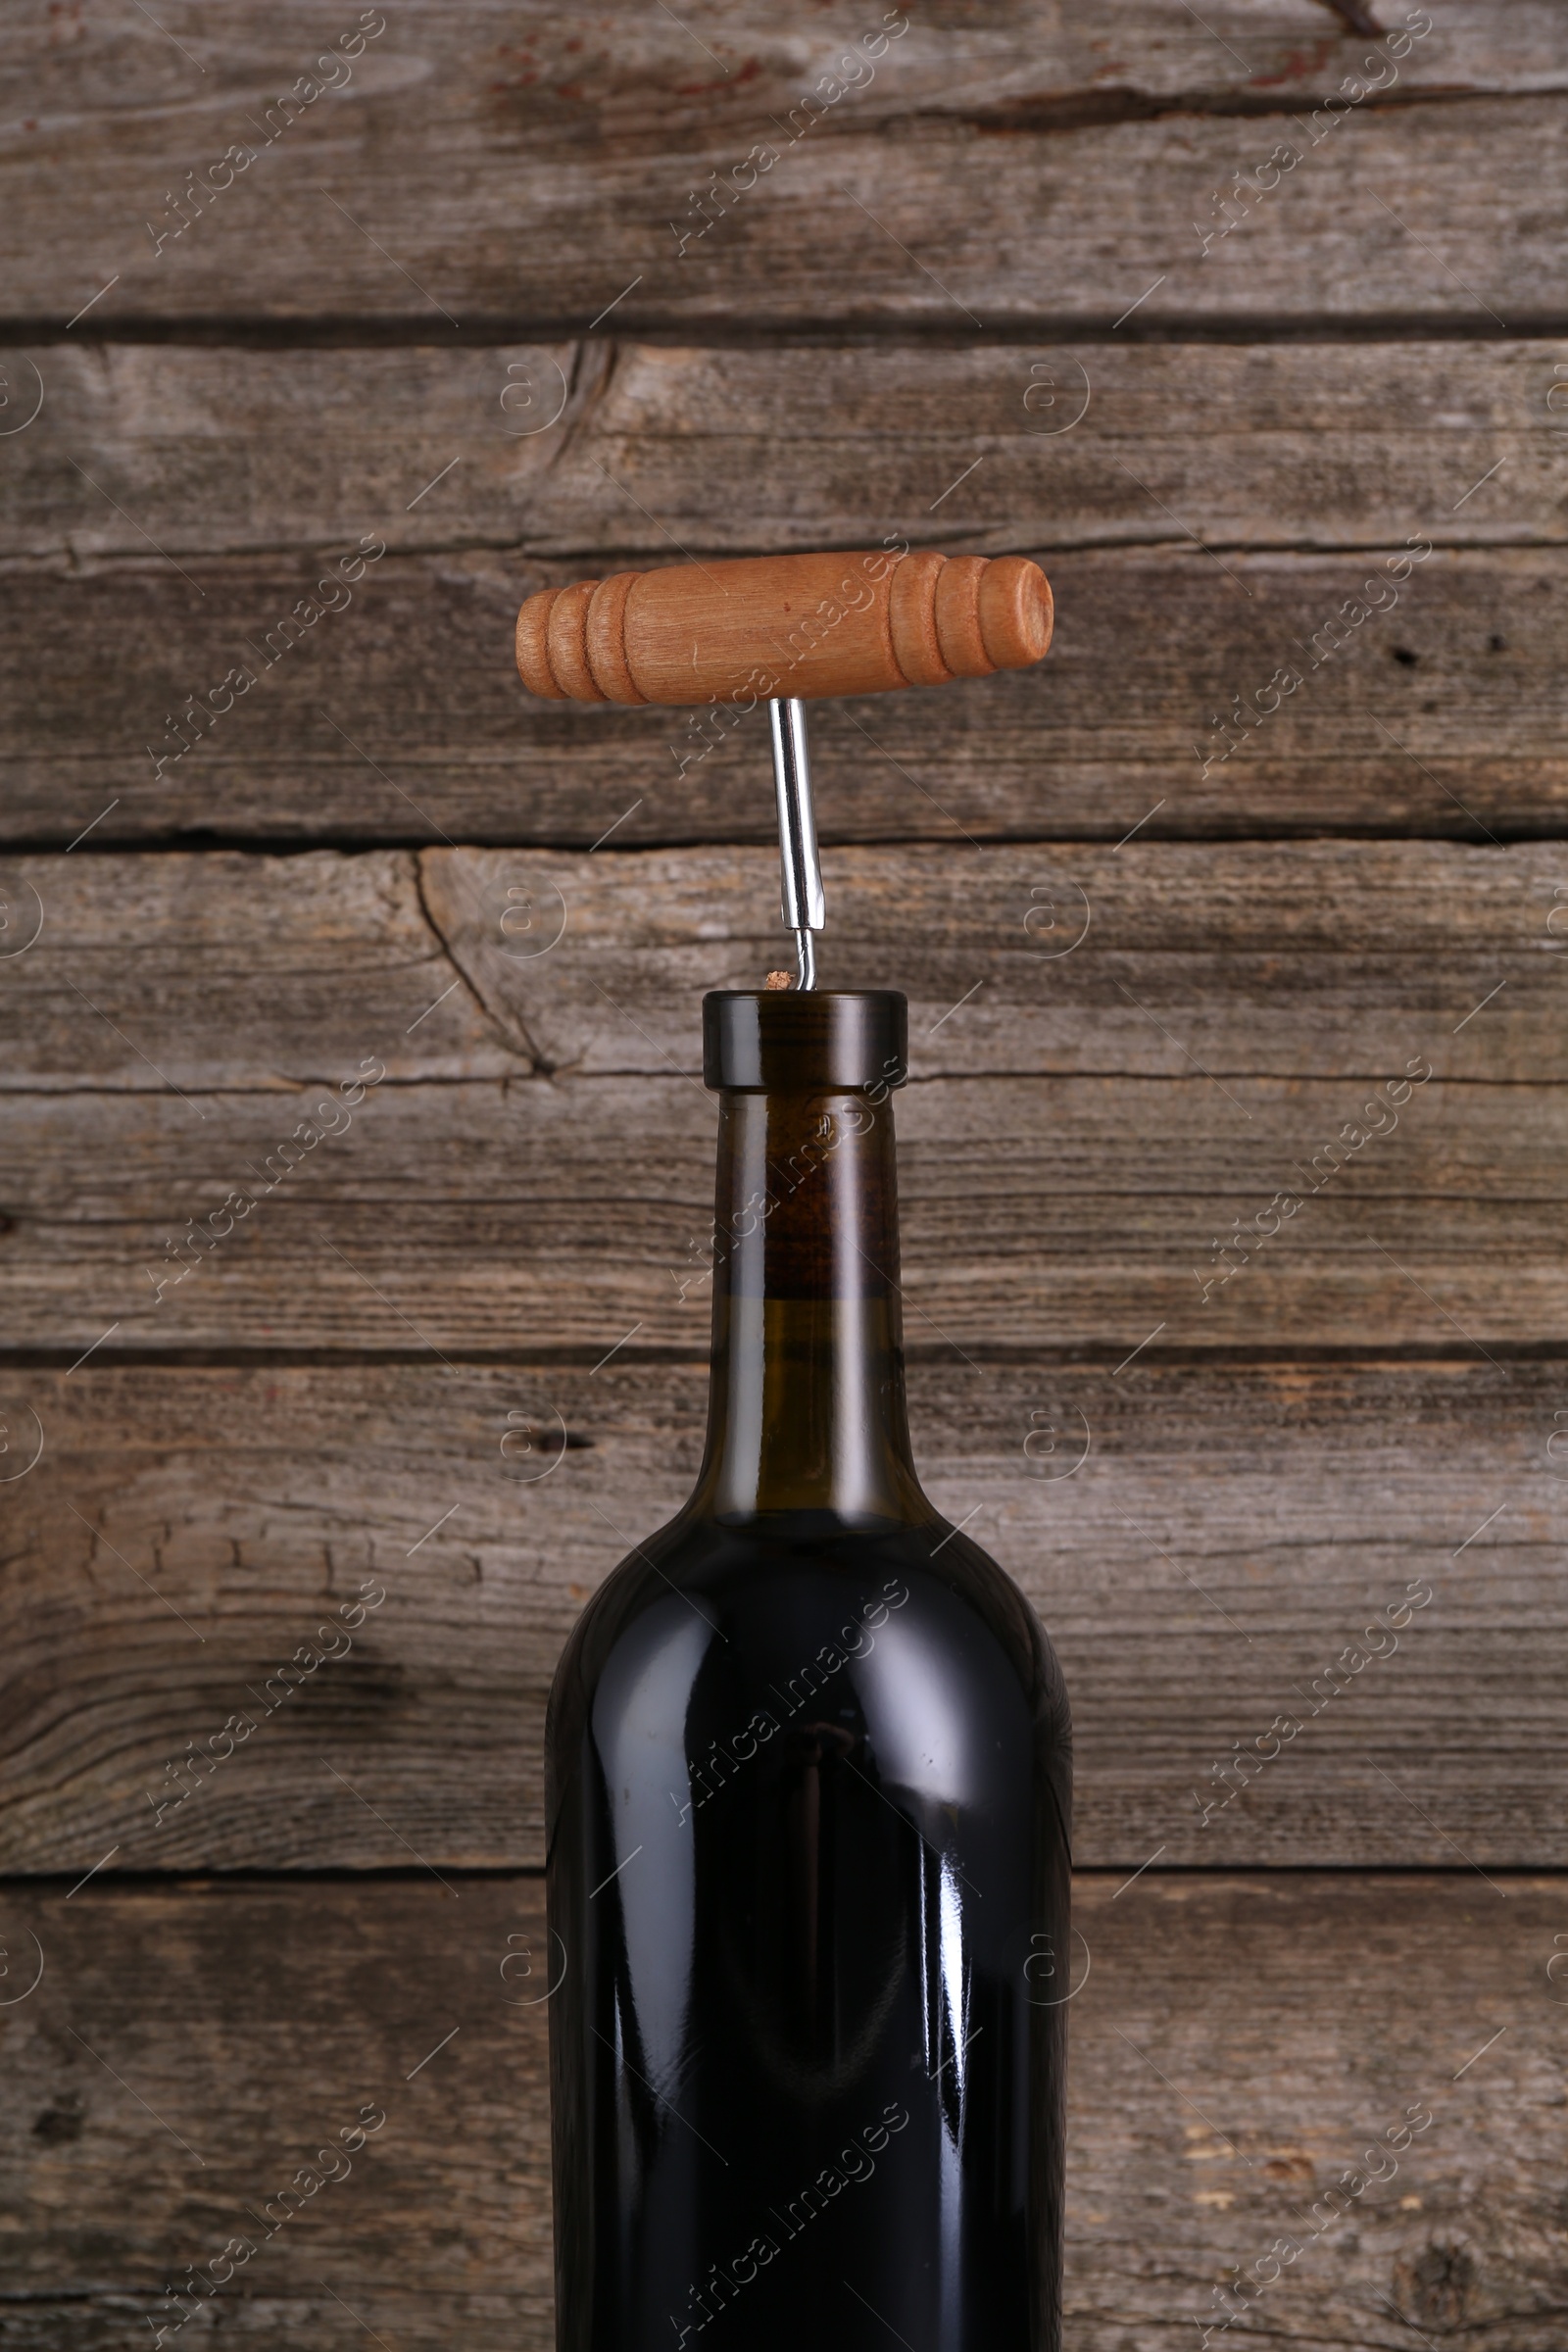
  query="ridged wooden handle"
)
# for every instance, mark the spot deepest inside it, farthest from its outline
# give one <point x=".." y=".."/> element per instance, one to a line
<point x="784" y="625"/>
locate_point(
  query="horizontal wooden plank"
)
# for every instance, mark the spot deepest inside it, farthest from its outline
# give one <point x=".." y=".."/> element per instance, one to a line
<point x="273" y="2025"/>
<point x="553" y="1146"/>
<point x="1203" y="1541"/>
<point x="232" y="973"/>
<point x="187" y="2050"/>
<point x="562" y="1214"/>
<point x="1230" y="2095"/>
<point x="1290" y="961"/>
<point x="593" y="449"/>
<point x="513" y="163"/>
<point x="400" y="716"/>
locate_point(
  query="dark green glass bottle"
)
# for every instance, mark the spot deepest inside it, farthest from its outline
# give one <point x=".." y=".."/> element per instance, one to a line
<point x="808" y="1803"/>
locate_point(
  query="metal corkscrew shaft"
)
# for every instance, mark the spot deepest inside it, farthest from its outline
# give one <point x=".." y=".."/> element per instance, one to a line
<point x="801" y="899"/>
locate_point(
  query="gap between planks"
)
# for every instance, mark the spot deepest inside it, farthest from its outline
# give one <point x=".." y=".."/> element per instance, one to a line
<point x="876" y="331"/>
<point x="1088" y="1355"/>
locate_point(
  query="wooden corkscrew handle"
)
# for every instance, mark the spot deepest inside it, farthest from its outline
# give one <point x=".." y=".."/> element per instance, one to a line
<point x="777" y="627"/>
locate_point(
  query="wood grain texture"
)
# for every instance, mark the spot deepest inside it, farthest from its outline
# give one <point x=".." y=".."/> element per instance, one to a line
<point x="399" y="717"/>
<point x="1288" y="961"/>
<point x="257" y="2021"/>
<point x="535" y="1169"/>
<point x="732" y="451"/>
<point x="511" y="164"/>
<point x="1203" y="1540"/>
<point x="226" y="973"/>
<point x="479" y="1217"/>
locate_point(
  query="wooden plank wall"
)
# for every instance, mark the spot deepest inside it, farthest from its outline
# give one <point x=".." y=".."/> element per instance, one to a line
<point x="1223" y="316"/>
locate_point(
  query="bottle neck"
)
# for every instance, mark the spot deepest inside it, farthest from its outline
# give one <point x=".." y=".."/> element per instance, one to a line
<point x="806" y="1408"/>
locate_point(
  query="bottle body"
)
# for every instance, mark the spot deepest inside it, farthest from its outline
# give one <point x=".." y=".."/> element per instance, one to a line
<point x="808" y="1863"/>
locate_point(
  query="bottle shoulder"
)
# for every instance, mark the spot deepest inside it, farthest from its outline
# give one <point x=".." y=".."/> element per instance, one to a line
<point x="909" y="1638"/>
<point x="789" y="1585"/>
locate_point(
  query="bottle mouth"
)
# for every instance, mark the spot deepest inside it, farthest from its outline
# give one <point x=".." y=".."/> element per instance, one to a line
<point x="766" y="1041"/>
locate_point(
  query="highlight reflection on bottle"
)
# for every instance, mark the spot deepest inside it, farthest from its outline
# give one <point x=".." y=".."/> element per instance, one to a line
<point x="809" y="1807"/>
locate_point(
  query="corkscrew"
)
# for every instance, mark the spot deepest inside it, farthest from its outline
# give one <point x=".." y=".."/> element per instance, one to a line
<point x="786" y="630"/>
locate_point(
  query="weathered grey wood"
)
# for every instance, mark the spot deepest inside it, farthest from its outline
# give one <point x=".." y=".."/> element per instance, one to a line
<point x="1203" y="1541"/>
<point x="235" y="972"/>
<point x="439" y="741"/>
<point x="258" y="2024"/>
<point x="1218" y="2095"/>
<point x="508" y="165"/>
<point x="1240" y="2046"/>
<point x="229" y="451"/>
<point x="486" y="1217"/>
<point x="1290" y="960"/>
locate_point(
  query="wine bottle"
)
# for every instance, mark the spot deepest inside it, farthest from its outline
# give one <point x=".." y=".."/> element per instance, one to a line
<point x="809" y="1788"/>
